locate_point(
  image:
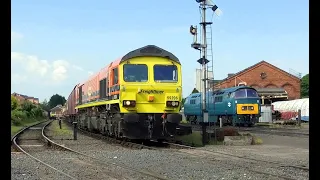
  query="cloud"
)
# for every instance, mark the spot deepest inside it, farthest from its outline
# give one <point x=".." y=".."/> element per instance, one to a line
<point x="53" y="72"/>
<point x="77" y="67"/>
<point x="36" y="66"/>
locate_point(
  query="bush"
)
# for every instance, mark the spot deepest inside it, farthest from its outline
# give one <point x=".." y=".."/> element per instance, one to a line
<point x="37" y="112"/>
<point x="27" y="106"/>
<point x="14" y="103"/>
<point x="17" y="116"/>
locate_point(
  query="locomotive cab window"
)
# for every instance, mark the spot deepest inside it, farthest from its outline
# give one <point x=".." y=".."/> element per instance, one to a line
<point x="241" y="93"/>
<point x="165" y="73"/>
<point x="252" y="93"/>
<point x="135" y="73"/>
<point x="244" y="93"/>
<point x="115" y="76"/>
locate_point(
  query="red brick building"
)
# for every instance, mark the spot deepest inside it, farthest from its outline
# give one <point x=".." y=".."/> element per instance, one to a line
<point x="21" y="98"/>
<point x="266" y="78"/>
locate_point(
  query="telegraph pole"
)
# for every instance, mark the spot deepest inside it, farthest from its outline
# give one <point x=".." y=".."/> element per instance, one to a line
<point x="203" y="60"/>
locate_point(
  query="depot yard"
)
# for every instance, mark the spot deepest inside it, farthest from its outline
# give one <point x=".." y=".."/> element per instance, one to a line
<point x="214" y="161"/>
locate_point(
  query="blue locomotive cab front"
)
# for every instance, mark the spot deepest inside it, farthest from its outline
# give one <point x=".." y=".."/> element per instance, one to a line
<point x="247" y="106"/>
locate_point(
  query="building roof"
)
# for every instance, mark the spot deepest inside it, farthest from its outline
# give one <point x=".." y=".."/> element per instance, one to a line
<point x="24" y="96"/>
<point x="255" y="65"/>
<point x="58" y="107"/>
<point x="270" y="90"/>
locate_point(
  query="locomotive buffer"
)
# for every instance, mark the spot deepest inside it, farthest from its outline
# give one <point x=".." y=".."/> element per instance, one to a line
<point x="204" y="4"/>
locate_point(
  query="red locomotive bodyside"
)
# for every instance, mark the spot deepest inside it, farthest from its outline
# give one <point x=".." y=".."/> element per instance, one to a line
<point x="91" y="87"/>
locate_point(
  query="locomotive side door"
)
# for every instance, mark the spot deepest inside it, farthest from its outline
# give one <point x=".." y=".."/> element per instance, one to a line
<point x="227" y="104"/>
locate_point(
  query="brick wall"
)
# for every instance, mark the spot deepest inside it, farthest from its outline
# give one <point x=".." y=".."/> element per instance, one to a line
<point x="274" y="78"/>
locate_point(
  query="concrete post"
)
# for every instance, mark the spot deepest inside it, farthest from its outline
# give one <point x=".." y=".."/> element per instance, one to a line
<point x="75" y="130"/>
<point x="299" y="117"/>
<point x="60" y="123"/>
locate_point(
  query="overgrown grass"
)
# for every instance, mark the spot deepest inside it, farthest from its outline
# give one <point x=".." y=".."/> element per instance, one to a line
<point x="194" y="139"/>
<point x="264" y="124"/>
<point x="25" y="123"/>
<point x="255" y="139"/>
<point x="184" y="121"/>
<point x="64" y="131"/>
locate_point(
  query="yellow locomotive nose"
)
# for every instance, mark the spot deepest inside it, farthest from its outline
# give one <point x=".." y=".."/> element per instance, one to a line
<point x="247" y="109"/>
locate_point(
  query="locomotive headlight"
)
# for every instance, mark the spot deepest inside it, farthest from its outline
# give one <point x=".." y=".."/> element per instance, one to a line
<point x="172" y="103"/>
<point x="251" y="107"/>
<point x="244" y="107"/>
<point x="129" y="103"/>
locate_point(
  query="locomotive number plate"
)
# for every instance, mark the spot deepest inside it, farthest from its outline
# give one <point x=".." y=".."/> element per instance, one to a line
<point x="172" y="98"/>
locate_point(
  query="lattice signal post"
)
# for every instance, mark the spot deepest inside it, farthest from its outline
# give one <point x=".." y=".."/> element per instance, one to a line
<point x="202" y="47"/>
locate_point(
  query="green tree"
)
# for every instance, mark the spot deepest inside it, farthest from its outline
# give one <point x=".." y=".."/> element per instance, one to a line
<point x="182" y="101"/>
<point x="45" y="105"/>
<point x="27" y="106"/>
<point x="56" y="100"/>
<point x="14" y="103"/>
<point x="194" y="91"/>
<point x="305" y="86"/>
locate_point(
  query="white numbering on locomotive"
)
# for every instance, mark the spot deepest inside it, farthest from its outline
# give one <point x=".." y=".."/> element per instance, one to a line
<point x="173" y="98"/>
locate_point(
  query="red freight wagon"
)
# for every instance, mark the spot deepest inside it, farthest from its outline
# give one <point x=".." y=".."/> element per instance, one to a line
<point x="71" y="102"/>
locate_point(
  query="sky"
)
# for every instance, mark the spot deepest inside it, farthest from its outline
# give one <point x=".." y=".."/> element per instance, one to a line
<point x="56" y="44"/>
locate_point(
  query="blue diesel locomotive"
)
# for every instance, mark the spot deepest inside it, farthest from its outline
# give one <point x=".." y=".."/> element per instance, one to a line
<point x="235" y="106"/>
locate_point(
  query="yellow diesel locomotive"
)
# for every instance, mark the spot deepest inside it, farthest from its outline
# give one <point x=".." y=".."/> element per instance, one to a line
<point x="136" y="97"/>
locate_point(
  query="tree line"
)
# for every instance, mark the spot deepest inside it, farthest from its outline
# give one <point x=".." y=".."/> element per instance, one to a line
<point x="25" y="110"/>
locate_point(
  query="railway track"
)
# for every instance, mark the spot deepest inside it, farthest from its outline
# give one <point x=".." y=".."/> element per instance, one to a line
<point x="38" y="136"/>
<point x="290" y="133"/>
<point x="153" y="145"/>
<point x="258" y="161"/>
<point x="36" y="133"/>
<point x="261" y="130"/>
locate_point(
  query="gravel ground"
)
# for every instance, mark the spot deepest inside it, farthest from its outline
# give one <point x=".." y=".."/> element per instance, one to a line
<point x="24" y="167"/>
<point x="70" y="163"/>
<point x="169" y="163"/>
<point x="283" y="149"/>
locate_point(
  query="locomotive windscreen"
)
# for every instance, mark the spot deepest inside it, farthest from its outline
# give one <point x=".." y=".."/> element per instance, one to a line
<point x="135" y="73"/>
<point x="165" y="73"/>
<point x="246" y="93"/>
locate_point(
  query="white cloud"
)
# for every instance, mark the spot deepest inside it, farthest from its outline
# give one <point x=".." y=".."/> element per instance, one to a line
<point x="37" y="66"/>
<point x="42" y="70"/>
<point x="78" y="67"/>
<point x="60" y="70"/>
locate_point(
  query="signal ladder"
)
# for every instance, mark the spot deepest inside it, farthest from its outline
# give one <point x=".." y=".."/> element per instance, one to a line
<point x="209" y="50"/>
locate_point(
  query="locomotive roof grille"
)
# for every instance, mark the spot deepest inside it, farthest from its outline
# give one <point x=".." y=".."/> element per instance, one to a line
<point x="150" y="50"/>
